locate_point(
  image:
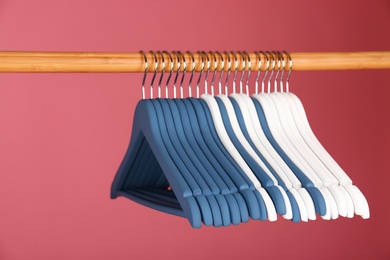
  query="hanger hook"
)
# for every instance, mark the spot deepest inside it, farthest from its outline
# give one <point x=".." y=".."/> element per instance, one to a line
<point x="170" y="73"/>
<point x="266" y="70"/>
<point x="249" y="72"/>
<point x="281" y="57"/>
<point x="215" y="68"/>
<point x="146" y="72"/>
<point x="162" y="74"/>
<point x="154" y="73"/>
<point x="192" y="73"/>
<point x="259" y="62"/>
<point x="235" y="71"/>
<point x="272" y="71"/>
<point x="243" y="61"/>
<point x="200" y="74"/>
<point x="277" y="60"/>
<point x="221" y="74"/>
<point x="228" y="72"/>
<point x="177" y="73"/>
<point x="207" y="72"/>
<point x="184" y="72"/>
<point x="289" y="71"/>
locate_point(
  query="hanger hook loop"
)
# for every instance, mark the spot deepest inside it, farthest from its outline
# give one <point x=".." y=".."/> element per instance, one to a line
<point x="170" y="72"/>
<point x="249" y="72"/>
<point x="235" y="71"/>
<point x="272" y="71"/>
<point x="290" y="65"/>
<point x="228" y="72"/>
<point x="215" y="68"/>
<point x="162" y="73"/>
<point x="192" y="73"/>
<point x="145" y="73"/>
<point x="154" y="73"/>
<point x="266" y="71"/>
<point x="259" y="63"/>
<point x="177" y="73"/>
<point x="207" y="72"/>
<point x="184" y="72"/>
<point x="221" y="73"/>
<point x="200" y="74"/>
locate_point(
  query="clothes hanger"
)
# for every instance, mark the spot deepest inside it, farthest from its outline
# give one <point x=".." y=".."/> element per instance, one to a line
<point x="272" y="132"/>
<point x="179" y="200"/>
<point x="250" y="126"/>
<point x="303" y="126"/>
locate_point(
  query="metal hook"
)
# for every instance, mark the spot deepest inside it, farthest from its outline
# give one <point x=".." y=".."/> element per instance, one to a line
<point x="215" y="72"/>
<point x="177" y="73"/>
<point x="220" y="75"/>
<point x="154" y="74"/>
<point x="266" y="71"/>
<point x="243" y="61"/>
<point x="162" y="74"/>
<point x="248" y="74"/>
<point x="228" y="72"/>
<point x="170" y="73"/>
<point x="235" y="71"/>
<point x="289" y="71"/>
<point x="192" y="73"/>
<point x="184" y="72"/>
<point x="207" y="72"/>
<point x="200" y="75"/>
<point x="272" y="71"/>
<point x="258" y="72"/>
<point x="283" y="69"/>
<point x="277" y="58"/>
<point x="146" y="72"/>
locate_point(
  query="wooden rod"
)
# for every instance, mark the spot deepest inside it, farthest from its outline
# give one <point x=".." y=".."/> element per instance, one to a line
<point x="13" y="61"/>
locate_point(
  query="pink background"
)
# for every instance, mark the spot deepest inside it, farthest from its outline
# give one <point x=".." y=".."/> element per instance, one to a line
<point x="62" y="136"/>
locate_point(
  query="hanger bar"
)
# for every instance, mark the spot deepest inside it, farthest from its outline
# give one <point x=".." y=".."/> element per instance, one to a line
<point x="17" y="61"/>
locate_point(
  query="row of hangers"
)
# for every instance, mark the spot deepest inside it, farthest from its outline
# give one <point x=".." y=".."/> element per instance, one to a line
<point x="221" y="158"/>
